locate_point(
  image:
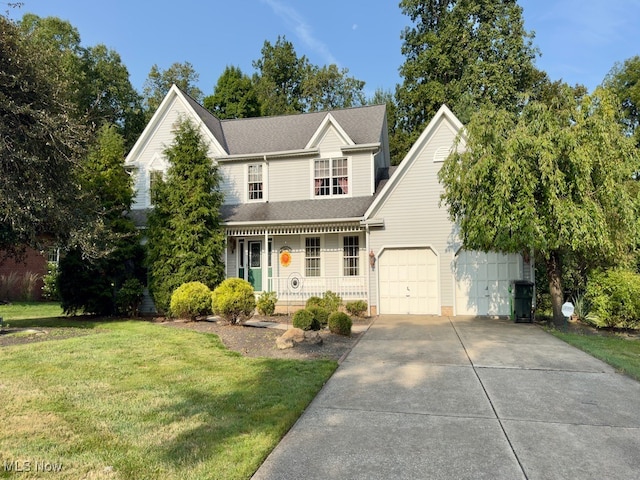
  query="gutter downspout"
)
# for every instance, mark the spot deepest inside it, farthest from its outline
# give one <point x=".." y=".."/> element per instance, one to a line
<point x="366" y="256"/>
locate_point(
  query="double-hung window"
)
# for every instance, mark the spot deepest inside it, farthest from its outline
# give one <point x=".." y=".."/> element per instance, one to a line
<point x="350" y="256"/>
<point x="331" y="177"/>
<point x="312" y="257"/>
<point x="255" y="182"/>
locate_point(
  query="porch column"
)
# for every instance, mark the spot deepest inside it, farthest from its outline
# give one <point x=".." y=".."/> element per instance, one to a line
<point x="265" y="266"/>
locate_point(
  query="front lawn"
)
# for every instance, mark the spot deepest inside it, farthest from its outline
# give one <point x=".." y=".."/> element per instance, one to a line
<point x="619" y="352"/>
<point x="136" y="400"/>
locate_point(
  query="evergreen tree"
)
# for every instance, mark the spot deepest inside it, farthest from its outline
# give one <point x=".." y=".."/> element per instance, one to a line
<point x="88" y="282"/>
<point x="186" y="239"/>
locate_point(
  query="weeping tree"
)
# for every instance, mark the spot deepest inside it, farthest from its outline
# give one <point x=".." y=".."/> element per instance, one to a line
<point x="185" y="237"/>
<point x="556" y="179"/>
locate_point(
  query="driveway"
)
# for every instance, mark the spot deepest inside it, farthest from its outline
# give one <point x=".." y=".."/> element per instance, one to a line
<point x="464" y="398"/>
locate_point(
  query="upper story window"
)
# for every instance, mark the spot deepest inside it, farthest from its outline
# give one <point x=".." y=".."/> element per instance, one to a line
<point x="255" y="182"/>
<point x="331" y="177"/>
<point x="155" y="177"/>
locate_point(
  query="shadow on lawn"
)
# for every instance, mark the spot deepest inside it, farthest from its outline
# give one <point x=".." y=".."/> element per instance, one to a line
<point x="245" y="424"/>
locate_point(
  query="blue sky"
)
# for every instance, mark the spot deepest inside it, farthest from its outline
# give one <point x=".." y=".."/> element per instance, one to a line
<point x="580" y="40"/>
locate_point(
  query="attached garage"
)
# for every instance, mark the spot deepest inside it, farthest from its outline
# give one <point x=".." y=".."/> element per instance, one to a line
<point x="408" y="281"/>
<point x="483" y="280"/>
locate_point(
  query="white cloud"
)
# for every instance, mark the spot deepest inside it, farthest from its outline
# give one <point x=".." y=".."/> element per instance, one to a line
<point x="301" y="28"/>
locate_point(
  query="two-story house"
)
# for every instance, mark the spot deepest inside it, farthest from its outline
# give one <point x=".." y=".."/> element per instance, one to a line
<point x="310" y="206"/>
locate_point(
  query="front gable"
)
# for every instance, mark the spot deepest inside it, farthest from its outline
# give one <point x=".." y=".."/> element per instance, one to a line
<point x="329" y="132"/>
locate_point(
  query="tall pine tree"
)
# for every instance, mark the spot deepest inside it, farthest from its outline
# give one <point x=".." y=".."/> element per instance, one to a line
<point x="186" y="239"/>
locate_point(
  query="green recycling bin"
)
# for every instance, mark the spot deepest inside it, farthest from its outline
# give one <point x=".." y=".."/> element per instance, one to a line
<point x="522" y="301"/>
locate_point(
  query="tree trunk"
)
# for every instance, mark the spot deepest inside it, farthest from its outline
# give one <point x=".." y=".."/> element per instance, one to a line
<point x="554" y="273"/>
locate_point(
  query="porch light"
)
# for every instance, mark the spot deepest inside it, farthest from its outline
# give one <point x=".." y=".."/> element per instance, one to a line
<point x="372" y="259"/>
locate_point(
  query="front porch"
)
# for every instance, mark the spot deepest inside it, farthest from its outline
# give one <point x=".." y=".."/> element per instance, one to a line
<point x="299" y="262"/>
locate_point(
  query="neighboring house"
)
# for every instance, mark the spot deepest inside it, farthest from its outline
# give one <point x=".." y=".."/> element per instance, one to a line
<point x="309" y="207"/>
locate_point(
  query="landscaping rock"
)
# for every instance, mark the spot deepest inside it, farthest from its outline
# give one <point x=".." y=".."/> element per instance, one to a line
<point x="291" y="337"/>
<point x="313" y="338"/>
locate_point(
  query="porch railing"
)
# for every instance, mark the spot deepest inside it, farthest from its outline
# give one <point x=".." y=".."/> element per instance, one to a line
<point x="296" y="288"/>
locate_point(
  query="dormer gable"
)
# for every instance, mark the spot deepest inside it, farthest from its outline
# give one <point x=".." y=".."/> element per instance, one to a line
<point x="328" y="124"/>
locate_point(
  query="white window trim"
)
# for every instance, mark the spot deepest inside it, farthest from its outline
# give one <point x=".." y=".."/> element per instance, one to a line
<point x="265" y="186"/>
<point x="360" y="257"/>
<point x="312" y="190"/>
<point x="304" y="255"/>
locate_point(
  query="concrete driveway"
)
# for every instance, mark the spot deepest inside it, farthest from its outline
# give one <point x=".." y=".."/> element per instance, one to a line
<point x="464" y="398"/>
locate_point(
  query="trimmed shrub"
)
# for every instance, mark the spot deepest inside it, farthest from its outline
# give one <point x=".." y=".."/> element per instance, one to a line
<point x="305" y="320"/>
<point x="319" y="314"/>
<point x="357" y="308"/>
<point x="331" y="301"/>
<point x="50" y="283"/>
<point x="614" y="297"/>
<point x="266" y="304"/>
<point x="234" y="300"/>
<point x="340" y="323"/>
<point x="314" y="302"/>
<point x="129" y="297"/>
<point x="190" y="300"/>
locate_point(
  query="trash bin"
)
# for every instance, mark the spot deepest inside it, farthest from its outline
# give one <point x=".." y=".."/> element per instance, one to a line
<point x="522" y="301"/>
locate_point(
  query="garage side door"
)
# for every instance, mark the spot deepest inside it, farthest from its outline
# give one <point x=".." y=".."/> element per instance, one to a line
<point x="408" y="281"/>
<point x="482" y="282"/>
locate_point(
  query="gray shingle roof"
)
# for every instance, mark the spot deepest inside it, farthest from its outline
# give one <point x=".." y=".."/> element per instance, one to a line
<point x="302" y="210"/>
<point x="289" y="132"/>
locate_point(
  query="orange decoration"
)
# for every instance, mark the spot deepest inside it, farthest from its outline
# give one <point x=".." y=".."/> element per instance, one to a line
<point x="285" y="258"/>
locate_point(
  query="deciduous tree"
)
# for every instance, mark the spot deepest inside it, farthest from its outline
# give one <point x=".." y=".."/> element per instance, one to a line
<point x="552" y="179"/>
<point x="624" y="80"/>
<point x="158" y="83"/>
<point x="234" y="96"/>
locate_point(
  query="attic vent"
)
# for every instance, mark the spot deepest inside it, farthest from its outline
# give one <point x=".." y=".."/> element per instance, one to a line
<point x="441" y="154"/>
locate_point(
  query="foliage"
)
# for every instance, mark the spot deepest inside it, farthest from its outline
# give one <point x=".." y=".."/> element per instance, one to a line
<point x="159" y="82"/>
<point x="331" y="301"/>
<point x="320" y="315"/>
<point x="555" y="178"/>
<point x="87" y="281"/>
<point x="305" y="320"/>
<point x="314" y="302"/>
<point x="614" y="296"/>
<point x="93" y="79"/>
<point x="234" y="96"/>
<point x="16" y="287"/>
<point x="40" y="142"/>
<point x="191" y="300"/>
<point x="150" y="384"/>
<point x="357" y="307"/>
<point x="129" y="297"/>
<point x="340" y="323"/>
<point x="50" y="283"/>
<point x="185" y="236"/>
<point x="581" y="306"/>
<point x="266" y="304"/>
<point x="286" y="83"/>
<point x="467" y="54"/>
<point x="234" y="300"/>
<point x="624" y="81"/>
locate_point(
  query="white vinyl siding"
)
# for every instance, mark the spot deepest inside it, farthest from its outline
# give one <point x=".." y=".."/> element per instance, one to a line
<point x="288" y="179"/>
<point x="412" y="215"/>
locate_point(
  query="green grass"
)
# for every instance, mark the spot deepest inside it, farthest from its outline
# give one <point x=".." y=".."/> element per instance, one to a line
<point x="619" y="352"/>
<point x="29" y="311"/>
<point x="141" y="401"/>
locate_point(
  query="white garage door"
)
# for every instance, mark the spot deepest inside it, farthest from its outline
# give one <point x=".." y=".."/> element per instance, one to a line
<point x="482" y="282"/>
<point x="408" y="281"/>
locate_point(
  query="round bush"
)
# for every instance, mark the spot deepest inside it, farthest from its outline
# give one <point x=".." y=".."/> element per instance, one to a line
<point x="331" y="301"/>
<point x="267" y="303"/>
<point x="356" y="308"/>
<point x="319" y="314"/>
<point x="305" y="320"/>
<point x="340" y="323"/>
<point x="234" y="300"/>
<point x="190" y="300"/>
<point x="314" y="302"/>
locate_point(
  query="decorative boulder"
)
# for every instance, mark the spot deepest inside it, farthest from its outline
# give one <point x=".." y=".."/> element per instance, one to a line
<point x="290" y="338"/>
<point x="313" y="338"/>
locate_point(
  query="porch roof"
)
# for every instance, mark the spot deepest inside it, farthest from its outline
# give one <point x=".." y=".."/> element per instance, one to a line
<point x="314" y="210"/>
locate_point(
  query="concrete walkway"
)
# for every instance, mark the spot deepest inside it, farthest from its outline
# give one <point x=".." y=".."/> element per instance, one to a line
<point x="464" y="398"/>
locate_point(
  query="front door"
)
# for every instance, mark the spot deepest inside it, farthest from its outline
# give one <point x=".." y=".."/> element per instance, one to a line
<point x="255" y="264"/>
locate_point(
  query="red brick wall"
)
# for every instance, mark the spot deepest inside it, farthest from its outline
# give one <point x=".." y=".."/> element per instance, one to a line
<point x="33" y="262"/>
